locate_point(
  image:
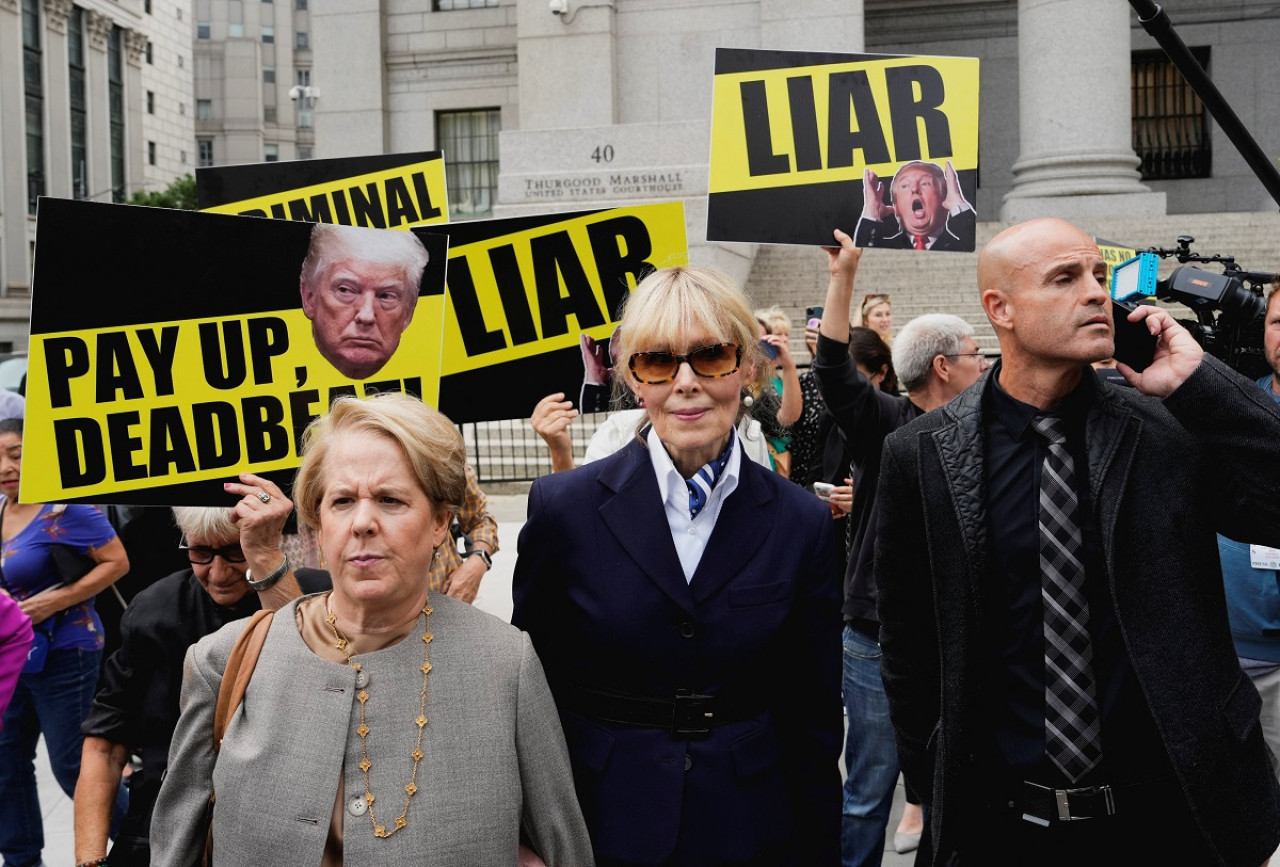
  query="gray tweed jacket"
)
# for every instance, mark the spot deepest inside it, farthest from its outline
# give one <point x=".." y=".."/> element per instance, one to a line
<point x="495" y="762"/>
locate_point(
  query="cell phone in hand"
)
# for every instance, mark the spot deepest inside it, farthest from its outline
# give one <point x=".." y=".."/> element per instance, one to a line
<point x="770" y="350"/>
<point x="1135" y="345"/>
<point x="813" y="313"/>
<point x="824" y="490"/>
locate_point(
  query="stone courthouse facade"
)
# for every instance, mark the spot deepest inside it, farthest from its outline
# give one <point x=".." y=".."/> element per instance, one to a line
<point x="608" y="101"/>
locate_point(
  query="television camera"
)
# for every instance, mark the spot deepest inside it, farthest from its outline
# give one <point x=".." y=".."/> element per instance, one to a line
<point x="1229" y="307"/>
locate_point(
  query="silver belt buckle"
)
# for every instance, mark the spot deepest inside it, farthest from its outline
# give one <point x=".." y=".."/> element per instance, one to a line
<point x="1063" y="799"/>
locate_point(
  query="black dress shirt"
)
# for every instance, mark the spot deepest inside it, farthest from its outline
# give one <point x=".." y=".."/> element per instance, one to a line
<point x="1131" y="746"/>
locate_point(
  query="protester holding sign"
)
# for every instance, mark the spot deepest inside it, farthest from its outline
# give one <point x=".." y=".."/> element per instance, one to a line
<point x="684" y="602"/>
<point x="55" y="560"/>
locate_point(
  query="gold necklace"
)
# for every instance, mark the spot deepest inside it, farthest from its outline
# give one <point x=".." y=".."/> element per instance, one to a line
<point x="342" y="644"/>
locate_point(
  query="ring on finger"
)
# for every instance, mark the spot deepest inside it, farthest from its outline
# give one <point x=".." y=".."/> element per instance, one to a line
<point x="264" y="496"/>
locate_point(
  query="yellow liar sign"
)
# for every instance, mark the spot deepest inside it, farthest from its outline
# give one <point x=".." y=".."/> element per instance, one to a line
<point x="525" y="293"/>
<point x="816" y="124"/>
<point x="397" y="198"/>
<point x="164" y="403"/>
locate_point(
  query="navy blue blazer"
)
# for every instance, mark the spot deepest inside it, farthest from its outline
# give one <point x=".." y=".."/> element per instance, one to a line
<point x="599" y="588"/>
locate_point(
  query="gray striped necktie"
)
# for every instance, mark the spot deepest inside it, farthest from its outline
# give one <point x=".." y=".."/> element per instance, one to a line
<point x="1073" y="736"/>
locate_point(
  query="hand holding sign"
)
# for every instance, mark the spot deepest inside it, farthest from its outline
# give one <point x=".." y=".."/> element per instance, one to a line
<point x="550" y="420"/>
<point x="260" y="514"/>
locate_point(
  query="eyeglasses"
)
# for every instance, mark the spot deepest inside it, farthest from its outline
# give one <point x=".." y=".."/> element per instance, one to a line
<point x="709" y="362"/>
<point x="202" y="555"/>
<point x="983" y="361"/>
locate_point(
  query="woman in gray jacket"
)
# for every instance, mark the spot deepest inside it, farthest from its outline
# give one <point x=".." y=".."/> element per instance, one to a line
<point x="380" y="726"/>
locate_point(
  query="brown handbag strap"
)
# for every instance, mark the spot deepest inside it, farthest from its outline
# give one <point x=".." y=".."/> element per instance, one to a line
<point x="240" y="665"/>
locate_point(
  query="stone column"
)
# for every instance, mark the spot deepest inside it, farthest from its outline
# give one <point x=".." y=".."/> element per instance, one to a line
<point x="97" y="96"/>
<point x="134" y="45"/>
<point x="14" y="267"/>
<point x="1076" y="156"/>
<point x="57" y="99"/>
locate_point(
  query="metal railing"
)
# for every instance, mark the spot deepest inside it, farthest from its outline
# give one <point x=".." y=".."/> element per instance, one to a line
<point x="509" y="451"/>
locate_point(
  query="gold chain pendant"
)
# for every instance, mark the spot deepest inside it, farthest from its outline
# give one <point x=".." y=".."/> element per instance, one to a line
<point x="342" y="643"/>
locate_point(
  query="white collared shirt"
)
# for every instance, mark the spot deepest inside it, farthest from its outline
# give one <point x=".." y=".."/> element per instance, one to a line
<point x="690" y="535"/>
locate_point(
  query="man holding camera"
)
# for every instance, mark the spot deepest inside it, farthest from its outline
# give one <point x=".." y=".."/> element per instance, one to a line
<point x="1057" y="656"/>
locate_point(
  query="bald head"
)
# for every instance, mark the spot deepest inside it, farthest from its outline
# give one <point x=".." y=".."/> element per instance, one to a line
<point x="1023" y="245"/>
<point x="1043" y="286"/>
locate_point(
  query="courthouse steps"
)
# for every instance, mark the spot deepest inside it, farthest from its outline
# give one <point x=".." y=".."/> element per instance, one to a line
<point x="796" y="277"/>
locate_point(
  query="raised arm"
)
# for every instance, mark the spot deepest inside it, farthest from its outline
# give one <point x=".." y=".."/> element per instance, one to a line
<point x="550" y="420"/>
<point x="261" y="525"/>
<point x="857" y="406"/>
<point x="842" y="263"/>
<point x="792" y="397"/>
<point x="1237" y="424"/>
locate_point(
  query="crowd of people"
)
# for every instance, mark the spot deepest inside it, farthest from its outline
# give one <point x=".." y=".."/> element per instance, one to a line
<point x="1032" y="627"/>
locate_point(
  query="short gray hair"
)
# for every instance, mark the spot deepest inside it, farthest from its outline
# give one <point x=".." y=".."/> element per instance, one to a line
<point x="205" y="524"/>
<point x="921" y="341"/>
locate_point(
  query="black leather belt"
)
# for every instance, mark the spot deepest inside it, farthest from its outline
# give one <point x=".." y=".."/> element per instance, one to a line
<point x="1043" y="805"/>
<point x="684" y="714"/>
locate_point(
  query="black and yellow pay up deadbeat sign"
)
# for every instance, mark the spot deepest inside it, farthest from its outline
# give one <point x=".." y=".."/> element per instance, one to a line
<point x="170" y="352"/>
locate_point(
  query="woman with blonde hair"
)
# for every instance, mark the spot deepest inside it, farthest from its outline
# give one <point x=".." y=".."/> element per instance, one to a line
<point x="875" y="312"/>
<point x="685" y="604"/>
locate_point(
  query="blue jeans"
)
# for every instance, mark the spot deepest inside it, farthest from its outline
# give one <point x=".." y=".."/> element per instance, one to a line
<point x="53" y="702"/>
<point x="870" y="754"/>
